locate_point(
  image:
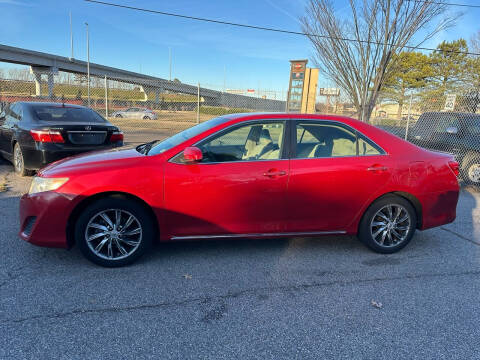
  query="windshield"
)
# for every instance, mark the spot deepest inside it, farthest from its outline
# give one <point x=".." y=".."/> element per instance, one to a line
<point x="168" y="143"/>
<point x="66" y="113"/>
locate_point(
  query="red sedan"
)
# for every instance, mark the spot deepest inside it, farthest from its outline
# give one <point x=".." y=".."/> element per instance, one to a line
<point x="239" y="176"/>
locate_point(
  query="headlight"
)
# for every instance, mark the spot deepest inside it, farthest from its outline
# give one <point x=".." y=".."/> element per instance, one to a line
<point x="40" y="184"/>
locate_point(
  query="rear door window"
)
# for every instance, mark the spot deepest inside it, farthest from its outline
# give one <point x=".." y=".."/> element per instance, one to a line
<point x="330" y="139"/>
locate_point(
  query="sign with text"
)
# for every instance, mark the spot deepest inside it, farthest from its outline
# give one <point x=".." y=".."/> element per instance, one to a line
<point x="450" y="102"/>
<point x="295" y="89"/>
<point x="329" y="92"/>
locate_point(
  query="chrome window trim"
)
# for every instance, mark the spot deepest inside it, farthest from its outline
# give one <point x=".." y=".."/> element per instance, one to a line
<point x="285" y="122"/>
<point x="338" y="157"/>
<point x="221" y="236"/>
<point x="227" y="162"/>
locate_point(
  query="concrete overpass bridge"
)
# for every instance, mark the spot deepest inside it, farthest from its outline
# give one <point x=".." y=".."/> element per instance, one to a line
<point x="44" y="64"/>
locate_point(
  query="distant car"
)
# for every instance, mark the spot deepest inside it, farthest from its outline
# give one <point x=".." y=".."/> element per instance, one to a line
<point x="34" y="134"/>
<point x="243" y="176"/>
<point x="136" y="113"/>
<point x="454" y="133"/>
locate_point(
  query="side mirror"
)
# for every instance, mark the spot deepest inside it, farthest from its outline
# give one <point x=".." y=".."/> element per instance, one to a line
<point x="192" y="154"/>
<point x="452" y="130"/>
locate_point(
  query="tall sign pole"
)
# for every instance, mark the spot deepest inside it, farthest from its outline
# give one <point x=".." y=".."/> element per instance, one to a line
<point x="295" y="89"/>
<point x="88" y="66"/>
<point x="71" y="37"/>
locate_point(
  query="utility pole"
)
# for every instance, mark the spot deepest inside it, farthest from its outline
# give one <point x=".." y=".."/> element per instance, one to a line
<point x="409" y="113"/>
<point x="224" y="76"/>
<point x="88" y="66"/>
<point x="170" y="61"/>
<point x="71" y="37"/>
<point x="198" y="103"/>
<point x="106" y="97"/>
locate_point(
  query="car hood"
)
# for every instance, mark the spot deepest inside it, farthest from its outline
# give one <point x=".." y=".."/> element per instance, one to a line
<point x="94" y="161"/>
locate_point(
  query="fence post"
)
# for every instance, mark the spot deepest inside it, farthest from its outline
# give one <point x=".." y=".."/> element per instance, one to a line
<point x="198" y="103"/>
<point x="106" y="97"/>
<point x="408" y="117"/>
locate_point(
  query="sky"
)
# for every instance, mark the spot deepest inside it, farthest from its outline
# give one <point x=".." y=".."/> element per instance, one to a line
<point x="201" y="52"/>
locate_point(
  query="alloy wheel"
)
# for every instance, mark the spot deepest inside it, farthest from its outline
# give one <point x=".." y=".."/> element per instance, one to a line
<point x="113" y="234"/>
<point x="390" y="225"/>
<point x="474" y="173"/>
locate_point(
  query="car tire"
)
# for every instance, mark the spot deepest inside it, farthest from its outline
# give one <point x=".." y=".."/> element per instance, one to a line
<point x="118" y="116"/>
<point x="105" y="242"/>
<point x="388" y="225"/>
<point x="19" y="161"/>
<point x="471" y="170"/>
<point x="147" y="118"/>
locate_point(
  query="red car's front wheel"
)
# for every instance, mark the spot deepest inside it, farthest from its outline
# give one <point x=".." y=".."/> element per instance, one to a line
<point x="114" y="231"/>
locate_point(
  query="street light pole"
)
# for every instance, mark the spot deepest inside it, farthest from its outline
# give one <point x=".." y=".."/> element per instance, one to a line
<point x="88" y="66"/>
<point x="224" y="76"/>
<point x="71" y="37"/>
<point x="170" y="61"/>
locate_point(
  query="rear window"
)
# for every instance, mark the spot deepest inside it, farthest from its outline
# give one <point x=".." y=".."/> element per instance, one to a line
<point x="68" y="114"/>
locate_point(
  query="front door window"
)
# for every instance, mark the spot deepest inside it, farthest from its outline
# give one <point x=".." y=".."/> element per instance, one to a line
<point x="258" y="141"/>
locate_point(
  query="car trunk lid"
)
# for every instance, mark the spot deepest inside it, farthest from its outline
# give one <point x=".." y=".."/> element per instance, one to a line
<point x="82" y="134"/>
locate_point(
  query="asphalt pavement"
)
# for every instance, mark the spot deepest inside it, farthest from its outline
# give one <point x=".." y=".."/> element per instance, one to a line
<point x="299" y="298"/>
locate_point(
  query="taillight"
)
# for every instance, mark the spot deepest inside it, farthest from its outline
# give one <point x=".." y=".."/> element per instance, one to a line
<point x="116" y="136"/>
<point x="47" y="136"/>
<point x="454" y="166"/>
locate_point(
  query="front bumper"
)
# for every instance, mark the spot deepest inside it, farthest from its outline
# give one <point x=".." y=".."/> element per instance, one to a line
<point x="44" y="218"/>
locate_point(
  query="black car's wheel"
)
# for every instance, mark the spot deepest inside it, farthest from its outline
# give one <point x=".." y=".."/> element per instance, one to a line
<point x="471" y="171"/>
<point x="147" y="118"/>
<point x="388" y="224"/>
<point x="114" y="231"/>
<point x="118" y="116"/>
<point x="19" y="161"/>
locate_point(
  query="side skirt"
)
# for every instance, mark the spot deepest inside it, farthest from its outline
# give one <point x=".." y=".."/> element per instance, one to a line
<point x="224" y="236"/>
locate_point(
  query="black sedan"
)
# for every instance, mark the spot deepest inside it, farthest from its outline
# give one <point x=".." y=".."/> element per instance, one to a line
<point x="33" y="134"/>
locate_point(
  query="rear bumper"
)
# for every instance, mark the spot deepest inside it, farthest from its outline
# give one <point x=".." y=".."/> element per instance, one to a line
<point x="44" y="217"/>
<point x="36" y="158"/>
<point x="439" y="208"/>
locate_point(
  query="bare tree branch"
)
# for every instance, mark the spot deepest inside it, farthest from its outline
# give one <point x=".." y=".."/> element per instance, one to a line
<point x="380" y="29"/>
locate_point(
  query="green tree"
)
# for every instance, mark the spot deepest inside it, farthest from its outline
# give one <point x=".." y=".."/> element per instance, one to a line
<point x="450" y="64"/>
<point x="408" y="71"/>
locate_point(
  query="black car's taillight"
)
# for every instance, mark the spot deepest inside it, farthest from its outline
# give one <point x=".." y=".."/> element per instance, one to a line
<point x="47" y="136"/>
<point x="116" y="136"/>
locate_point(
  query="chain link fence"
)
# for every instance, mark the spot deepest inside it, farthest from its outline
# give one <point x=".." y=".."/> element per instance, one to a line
<point x="439" y="120"/>
<point x="144" y="109"/>
<point x="148" y="109"/>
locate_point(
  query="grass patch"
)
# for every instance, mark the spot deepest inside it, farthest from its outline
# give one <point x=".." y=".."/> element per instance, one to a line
<point x="215" y="110"/>
<point x="77" y="91"/>
<point x="3" y="184"/>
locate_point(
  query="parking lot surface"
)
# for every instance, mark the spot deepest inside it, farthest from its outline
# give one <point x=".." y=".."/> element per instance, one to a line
<point x="244" y="299"/>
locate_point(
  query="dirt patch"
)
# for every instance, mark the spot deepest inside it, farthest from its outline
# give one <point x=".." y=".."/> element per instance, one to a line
<point x="3" y="184"/>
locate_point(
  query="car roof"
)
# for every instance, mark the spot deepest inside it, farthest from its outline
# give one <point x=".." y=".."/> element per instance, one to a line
<point x="286" y="116"/>
<point x="56" y="104"/>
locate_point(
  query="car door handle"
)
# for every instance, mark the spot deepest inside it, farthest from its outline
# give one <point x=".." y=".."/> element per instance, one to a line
<point x="274" y="173"/>
<point x="377" y="168"/>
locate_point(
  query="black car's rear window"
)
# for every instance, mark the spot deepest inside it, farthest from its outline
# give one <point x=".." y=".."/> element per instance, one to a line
<point x="66" y="113"/>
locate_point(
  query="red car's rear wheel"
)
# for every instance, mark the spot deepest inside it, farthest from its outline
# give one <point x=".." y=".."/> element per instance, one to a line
<point x="388" y="225"/>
